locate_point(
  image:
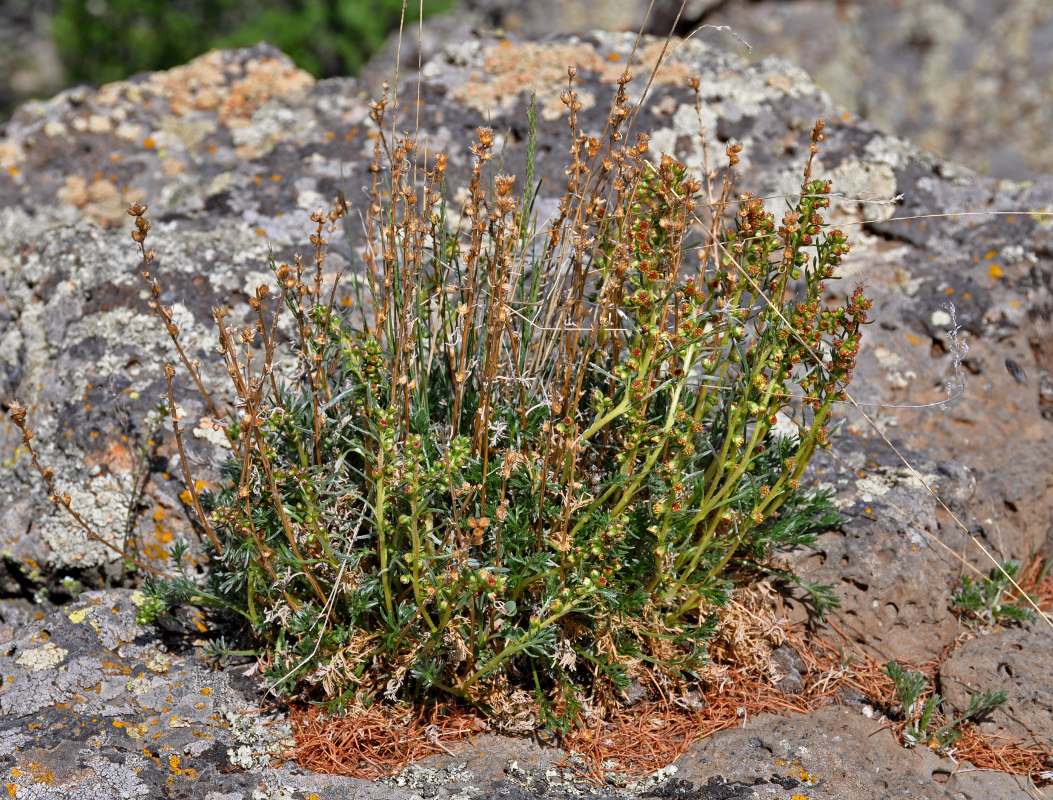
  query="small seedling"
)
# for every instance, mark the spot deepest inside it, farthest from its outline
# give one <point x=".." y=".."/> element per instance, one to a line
<point x="922" y="713"/>
<point x="72" y="587"/>
<point x="993" y="600"/>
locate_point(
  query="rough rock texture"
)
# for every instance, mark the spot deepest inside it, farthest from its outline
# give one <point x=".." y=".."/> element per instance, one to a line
<point x="533" y="20"/>
<point x="834" y="752"/>
<point x="93" y="705"/>
<point x="886" y="564"/>
<point x="29" y="62"/>
<point x="233" y="150"/>
<point x="967" y="79"/>
<point x="537" y="19"/>
<point x="1016" y="660"/>
<point x="963" y="78"/>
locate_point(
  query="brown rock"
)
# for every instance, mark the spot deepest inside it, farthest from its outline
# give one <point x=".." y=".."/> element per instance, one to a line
<point x="1016" y="660"/>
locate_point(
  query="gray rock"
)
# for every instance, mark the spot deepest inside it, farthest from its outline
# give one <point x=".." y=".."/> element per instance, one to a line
<point x="29" y="61"/>
<point x="1016" y="660"/>
<point x="962" y="78"/>
<point x="832" y="753"/>
<point x="791" y="669"/>
<point x="91" y="705"/>
<point x="525" y="21"/>
<point x="887" y="563"/>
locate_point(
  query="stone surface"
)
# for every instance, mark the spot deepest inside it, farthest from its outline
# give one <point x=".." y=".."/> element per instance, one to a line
<point x="79" y="344"/>
<point x="93" y="707"/>
<point x="235" y="149"/>
<point x="29" y="61"/>
<point x="963" y="78"/>
<point x="834" y="752"/>
<point x="1017" y="660"/>
<point x="888" y="563"/>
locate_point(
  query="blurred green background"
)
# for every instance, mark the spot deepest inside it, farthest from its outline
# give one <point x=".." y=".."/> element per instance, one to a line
<point x="45" y="42"/>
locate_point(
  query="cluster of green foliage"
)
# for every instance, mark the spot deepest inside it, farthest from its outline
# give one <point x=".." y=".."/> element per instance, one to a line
<point x="531" y="461"/>
<point x="924" y="724"/>
<point x="993" y="600"/>
<point x="107" y="40"/>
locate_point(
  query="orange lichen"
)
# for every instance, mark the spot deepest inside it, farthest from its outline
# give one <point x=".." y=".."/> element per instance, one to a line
<point x="99" y="199"/>
<point x="517" y="70"/>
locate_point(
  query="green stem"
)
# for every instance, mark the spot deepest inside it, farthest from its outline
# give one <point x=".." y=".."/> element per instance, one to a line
<point x="655" y="452"/>
<point x="382" y="544"/>
<point x="719" y="489"/>
<point x="511" y="649"/>
<point x="279" y="507"/>
<point x="415" y="566"/>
